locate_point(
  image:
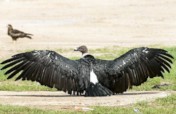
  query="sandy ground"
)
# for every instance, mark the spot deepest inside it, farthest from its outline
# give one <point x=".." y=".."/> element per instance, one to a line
<point x="95" y="23"/>
<point x="61" y="100"/>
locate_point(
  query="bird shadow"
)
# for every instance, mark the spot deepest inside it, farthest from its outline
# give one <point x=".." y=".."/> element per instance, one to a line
<point x="139" y="93"/>
<point x="43" y="95"/>
<point x="127" y="93"/>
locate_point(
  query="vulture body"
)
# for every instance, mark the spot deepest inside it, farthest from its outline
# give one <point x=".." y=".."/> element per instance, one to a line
<point x="16" y="34"/>
<point x="89" y="76"/>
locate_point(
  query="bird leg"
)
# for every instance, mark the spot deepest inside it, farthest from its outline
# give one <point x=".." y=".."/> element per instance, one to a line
<point x="14" y="42"/>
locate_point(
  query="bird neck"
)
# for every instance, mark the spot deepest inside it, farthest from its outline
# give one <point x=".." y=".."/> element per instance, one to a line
<point x="84" y="54"/>
<point x="10" y="29"/>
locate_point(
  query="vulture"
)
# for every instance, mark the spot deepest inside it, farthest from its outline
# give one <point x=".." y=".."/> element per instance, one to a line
<point x="89" y="76"/>
<point x="15" y="34"/>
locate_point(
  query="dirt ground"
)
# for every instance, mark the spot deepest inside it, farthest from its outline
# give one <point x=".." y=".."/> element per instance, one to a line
<point x="95" y="23"/>
<point x="61" y="100"/>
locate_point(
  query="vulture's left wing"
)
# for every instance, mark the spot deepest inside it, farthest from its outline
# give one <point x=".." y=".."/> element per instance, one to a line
<point x="134" y="67"/>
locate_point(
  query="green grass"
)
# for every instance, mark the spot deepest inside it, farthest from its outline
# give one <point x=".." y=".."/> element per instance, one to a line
<point x="159" y="106"/>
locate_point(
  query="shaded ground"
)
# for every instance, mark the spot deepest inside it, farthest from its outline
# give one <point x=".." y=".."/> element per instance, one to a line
<point x="61" y="100"/>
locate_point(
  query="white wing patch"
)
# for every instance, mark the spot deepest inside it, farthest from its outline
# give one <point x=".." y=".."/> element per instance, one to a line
<point x="93" y="77"/>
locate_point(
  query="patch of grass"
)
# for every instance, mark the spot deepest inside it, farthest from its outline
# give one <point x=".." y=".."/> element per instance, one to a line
<point x="11" y="85"/>
<point x="159" y="106"/>
<point x="6" y="109"/>
<point x="109" y="53"/>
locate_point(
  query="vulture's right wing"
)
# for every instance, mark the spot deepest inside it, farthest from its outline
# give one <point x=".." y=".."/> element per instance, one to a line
<point x="46" y="67"/>
<point x="135" y="66"/>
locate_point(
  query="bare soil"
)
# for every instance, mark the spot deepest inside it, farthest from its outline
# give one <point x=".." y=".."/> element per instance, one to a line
<point x="61" y="100"/>
<point x="95" y="23"/>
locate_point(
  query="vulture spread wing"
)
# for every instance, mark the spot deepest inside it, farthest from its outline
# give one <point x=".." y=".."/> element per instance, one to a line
<point x="46" y="67"/>
<point x="132" y="68"/>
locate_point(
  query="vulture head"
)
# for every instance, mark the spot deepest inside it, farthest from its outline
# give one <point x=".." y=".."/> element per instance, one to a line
<point x="83" y="49"/>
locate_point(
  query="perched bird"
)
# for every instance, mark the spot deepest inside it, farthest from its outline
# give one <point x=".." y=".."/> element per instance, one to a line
<point x="89" y="76"/>
<point x="15" y="34"/>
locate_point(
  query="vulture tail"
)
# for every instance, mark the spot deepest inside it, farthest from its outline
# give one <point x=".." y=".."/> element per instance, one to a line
<point x="97" y="90"/>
